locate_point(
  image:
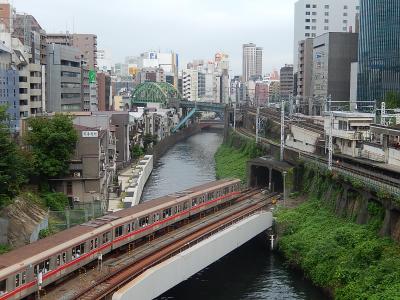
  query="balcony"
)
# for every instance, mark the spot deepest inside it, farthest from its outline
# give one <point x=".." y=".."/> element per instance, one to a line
<point x="347" y="135"/>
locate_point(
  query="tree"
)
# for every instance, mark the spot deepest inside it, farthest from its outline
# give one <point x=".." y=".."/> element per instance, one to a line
<point x="14" y="167"/>
<point x="52" y="141"/>
<point x="392" y="100"/>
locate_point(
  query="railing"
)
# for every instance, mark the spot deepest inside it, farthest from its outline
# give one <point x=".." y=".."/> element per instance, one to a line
<point x="375" y="182"/>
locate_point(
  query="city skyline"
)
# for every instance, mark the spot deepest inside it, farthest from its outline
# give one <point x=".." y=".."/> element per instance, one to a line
<point x="211" y="28"/>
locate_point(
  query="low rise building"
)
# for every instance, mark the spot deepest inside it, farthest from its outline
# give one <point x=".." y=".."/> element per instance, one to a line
<point x="349" y="130"/>
<point x="92" y="167"/>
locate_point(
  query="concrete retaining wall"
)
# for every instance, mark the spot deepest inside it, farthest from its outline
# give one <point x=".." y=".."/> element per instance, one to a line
<point x="166" y="275"/>
<point x="165" y="144"/>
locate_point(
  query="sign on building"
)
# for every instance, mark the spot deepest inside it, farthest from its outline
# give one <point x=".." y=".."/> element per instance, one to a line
<point x="90" y="134"/>
<point x="92" y="76"/>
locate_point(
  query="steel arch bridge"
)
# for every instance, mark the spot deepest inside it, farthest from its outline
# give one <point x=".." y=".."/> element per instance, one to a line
<point x="155" y="92"/>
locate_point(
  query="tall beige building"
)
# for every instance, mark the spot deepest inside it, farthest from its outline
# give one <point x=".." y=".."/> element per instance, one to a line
<point x="252" y="61"/>
<point x="86" y="43"/>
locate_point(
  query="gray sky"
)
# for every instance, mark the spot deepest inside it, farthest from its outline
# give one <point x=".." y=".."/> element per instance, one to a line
<point x="195" y="29"/>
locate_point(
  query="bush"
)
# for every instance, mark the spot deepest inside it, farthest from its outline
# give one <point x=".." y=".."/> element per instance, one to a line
<point x="137" y="151"/>
<point x="4" y="248"/>
<point x="348" y="258"/>
<point x="55" y="201"/>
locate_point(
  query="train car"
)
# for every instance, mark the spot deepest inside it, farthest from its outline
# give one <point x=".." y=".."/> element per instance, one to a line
<point x="41" y="263"/>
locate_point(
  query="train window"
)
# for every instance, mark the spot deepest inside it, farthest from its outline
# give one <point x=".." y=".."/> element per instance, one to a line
<point x="128" y="227"/>
<point x="167" y="212"/>
<point x="20" y="279"/>
<point x="185" y="205"/>
<point x="43" y="267"/>
<point x="3" y="286"/>
<point x="143" y="222"/>
<point x="156" y="217"/>
<point x="210" y="196"/>
<point x="78" y="250"/>
<point x="133" y="225"/>
<point x="226" y="190"/>
<point x="17" y="280"/>
<point x="106" y="237"/>
<point x="194" y="202"/>
<point x="61" y="259"/>
<point x="94" y="243"/>
<point x="177" y="209"/>
<point x="118" y="231"/>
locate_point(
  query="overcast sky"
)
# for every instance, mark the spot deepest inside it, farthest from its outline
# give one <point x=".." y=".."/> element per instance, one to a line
<point x="195" y="29"/>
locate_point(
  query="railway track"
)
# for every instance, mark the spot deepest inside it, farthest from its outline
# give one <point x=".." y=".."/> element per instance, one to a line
<point x="116" y="280"/>
<point x="87" y="287"/>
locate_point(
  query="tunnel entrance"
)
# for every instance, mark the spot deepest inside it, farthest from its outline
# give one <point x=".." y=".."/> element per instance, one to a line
<point x="277" y="181"/>
<point x="259" y="176"/>
<point x="267" y="172"/>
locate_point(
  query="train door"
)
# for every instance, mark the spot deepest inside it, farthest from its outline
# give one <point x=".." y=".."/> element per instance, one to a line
<point x="3" y="287"/>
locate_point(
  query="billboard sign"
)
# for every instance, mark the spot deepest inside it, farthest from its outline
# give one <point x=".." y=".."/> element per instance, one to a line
<point x="90" y="134"/>
<point x="92" y="76"/>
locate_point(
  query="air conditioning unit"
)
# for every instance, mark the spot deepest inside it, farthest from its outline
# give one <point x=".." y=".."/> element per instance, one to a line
<point x="77" y="174"/>
<point x="76" y="199"/>
<point x="97" y="198"/>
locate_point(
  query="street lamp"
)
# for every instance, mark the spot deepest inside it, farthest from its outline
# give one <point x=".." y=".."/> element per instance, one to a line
<point x="284" y="188"/>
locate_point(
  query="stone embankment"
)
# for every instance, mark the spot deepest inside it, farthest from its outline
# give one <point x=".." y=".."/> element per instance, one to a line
<point x="21" y="221"/>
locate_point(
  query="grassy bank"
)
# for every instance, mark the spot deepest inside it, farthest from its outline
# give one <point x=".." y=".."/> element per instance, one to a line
<point x="232" y="156"/>
<point x="336" y="253"/>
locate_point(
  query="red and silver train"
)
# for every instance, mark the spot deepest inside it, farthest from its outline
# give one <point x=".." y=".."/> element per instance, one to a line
<point x="47" y="260"/>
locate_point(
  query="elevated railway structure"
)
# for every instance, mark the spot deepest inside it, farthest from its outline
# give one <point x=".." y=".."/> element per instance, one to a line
<point x="93" y="260"/>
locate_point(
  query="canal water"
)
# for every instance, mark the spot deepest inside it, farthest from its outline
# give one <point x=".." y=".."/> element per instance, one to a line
<point x="251" y="272"/>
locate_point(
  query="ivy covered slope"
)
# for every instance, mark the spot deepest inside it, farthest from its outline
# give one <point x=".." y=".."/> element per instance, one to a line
<point x="232" y="156"/>
<point x="336" y="253"/>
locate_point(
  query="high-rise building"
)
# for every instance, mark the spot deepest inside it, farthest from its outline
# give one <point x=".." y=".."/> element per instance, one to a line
<point x="63" y="79"/>
<point x="252" y="61"/>
<point x="333" y="53"/>
<point x="316" y="17"/>
<point x="104" y="91"/>
<point x="286" y="84"/>
<point x="86" y="43"/>
<point x="6" y="16"/>
<point x="10" y="91"/>
<point x="304" y="71"/>
<point x="379" y="51"/>
<point x="190" y="85"/>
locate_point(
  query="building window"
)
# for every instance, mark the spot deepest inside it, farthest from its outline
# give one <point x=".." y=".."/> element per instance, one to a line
<point x="327" y="13"/>
<point x="345" y="7"/>
<point x="344" y="28"/>
<point x="345" y="14"/>
<point x="313" y="35"/>
<point x="314" y="20"/>
<point x="307" y="34"/>
<point x="344" y="21"/>
<point x="307" y="27"/>
<point x="307" y="20"/>
<point x="326" y="27"/>
<point x="307" y="13"/>
<point x="357" y="7"/>
<point x="314" y="13"/>
<point x="307" y="5"/>
<point x="326" y="21"/>
<point x="69" y="188"/>
<point x="314" y="6"/>
<point x="326" y="6"/>
<point x="314" y="27"/>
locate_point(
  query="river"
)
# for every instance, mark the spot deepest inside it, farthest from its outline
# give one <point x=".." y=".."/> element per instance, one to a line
<point x="250" y="272"/>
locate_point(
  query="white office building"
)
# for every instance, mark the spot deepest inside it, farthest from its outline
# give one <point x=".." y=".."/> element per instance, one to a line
<point x="316" y="17"/>
<point x="190" y="89"/>
<point x="252" y="61"/>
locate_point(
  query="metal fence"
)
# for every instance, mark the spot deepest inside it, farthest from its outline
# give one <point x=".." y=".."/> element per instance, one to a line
<point x="82" y="212"/>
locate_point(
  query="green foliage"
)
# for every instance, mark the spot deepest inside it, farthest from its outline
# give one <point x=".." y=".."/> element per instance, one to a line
<point x="14" y="164"/>
<point x="52" y="142"/>
<point x="392" y="100"/>
<point x="137" y="151"/>
<point x="231" y="158"/>
<point x="44" y="233"/>
<point x="336" y="253"/>
<point x="148" y="140"/>
<point x="4" y="248"/>
<point x="55" y="201"/>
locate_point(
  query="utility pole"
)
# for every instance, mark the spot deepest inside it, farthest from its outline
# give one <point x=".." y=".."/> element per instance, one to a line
<point x="383" y="113"/>
<point x="258" y="125"/>
<point x="234" y="117"/>
<point x="330" y="141"/>
<point x="282" y="129"/>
